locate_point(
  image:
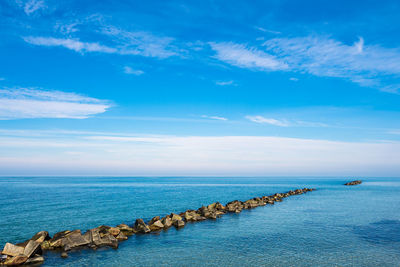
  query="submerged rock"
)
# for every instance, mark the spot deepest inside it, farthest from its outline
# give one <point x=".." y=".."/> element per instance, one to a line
<point x="64" y="255"/>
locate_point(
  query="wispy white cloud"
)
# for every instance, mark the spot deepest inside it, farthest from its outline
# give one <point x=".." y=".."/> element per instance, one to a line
<point x="124" y="43"/>
<point x="267" y="30"/>
<point x="223" y="83"/>
<point x="141" y="43"/>
<point x="367" y="65"/>
<point x="67" y="28"/>
<point x="263" y="120"/>
<point x="72" y="44"/>
<point x="31" y="6"/>
<point x="244" y="57"/>
<point x="214" y="117"/>
<point x="19" y="103"/>
<point x="129" y="70"/>
<point x="293" y="79"/>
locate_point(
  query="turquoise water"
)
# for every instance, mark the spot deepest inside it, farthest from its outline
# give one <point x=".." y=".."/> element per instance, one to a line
<point x="333" y="226"/>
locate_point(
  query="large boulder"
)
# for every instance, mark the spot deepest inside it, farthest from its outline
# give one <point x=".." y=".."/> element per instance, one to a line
<point x="252" y="203"/>
<point x="167" y="222"/>
<point x="193" y="216"/>
<point x="179" y="223"/>
<point x="74" y="240"/>
<point x="156" y="225"/>
<point x="126" y="230"/>
<point x="175" y="217"/>
<point x="121" y="237"/>
<point x="177" y="220"/>
<point x="97" y="239"/>
<point x="114" y="231"/>
<point x="234" y="206"/>
<point x="12" y="250"/>
<point x="141" y="227"/>
<point x="31" y="248"/>
<point x="154" y="219"/>
<point x="41" y="236"/>
<point x="56" y="241"/>
<point x="35" y="260"/>
<point x="16" y="260"/>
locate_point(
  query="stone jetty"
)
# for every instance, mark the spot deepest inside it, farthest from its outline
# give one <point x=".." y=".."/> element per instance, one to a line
<point x="356" y="182"/>
<point x="32" y="251"/>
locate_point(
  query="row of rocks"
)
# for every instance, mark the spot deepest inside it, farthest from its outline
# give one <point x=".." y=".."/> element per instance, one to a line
<point x="31" y="251"/>
<point x="356" y="182"/>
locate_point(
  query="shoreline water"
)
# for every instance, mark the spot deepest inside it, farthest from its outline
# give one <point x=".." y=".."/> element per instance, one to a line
<point x="31" y="251"/>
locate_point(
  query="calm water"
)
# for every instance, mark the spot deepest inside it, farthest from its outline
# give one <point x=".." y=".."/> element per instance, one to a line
<point x="334" y="226"/>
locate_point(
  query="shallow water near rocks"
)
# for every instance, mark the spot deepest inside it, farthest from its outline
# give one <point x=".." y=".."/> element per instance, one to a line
<point x="334" y="226"/>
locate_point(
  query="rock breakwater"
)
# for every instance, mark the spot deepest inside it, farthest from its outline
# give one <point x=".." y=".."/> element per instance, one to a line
<point x="32" y="250"/>
<point x="356" y="182"/>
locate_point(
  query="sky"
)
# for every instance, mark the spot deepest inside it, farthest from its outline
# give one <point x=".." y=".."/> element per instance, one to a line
<point x="200" y="88"/>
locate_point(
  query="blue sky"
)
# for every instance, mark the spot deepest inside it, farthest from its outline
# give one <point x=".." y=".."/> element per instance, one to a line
<point x="199" y="87"/>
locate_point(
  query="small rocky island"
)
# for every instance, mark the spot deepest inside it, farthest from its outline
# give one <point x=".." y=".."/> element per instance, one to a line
<point x="356" y="182"/>
<point x="31" y="251"/>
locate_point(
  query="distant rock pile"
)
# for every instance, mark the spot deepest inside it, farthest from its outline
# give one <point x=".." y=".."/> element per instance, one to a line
<point x="356" y="182"/>
<point x="31" y="251"/>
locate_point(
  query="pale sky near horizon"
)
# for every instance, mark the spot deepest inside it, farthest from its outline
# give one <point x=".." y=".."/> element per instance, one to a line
<point x="200" y="88"/>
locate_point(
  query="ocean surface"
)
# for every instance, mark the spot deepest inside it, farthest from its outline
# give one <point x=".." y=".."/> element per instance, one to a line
<point x="334" y="226"/>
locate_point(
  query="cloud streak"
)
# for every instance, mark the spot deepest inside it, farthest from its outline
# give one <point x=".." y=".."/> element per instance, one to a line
<point x="31" y="6"/>
<point x="23" y="103"/>
<point x="271" y="121"/>
<point x="120" y="42"/>
<point x="72" y="44"/>
<point x="244" y="57"/>
<point x="215" y="118"/>
<point x="367" y="65"/>
<point x="129" y="70"/>
<point x="224" y="83"/>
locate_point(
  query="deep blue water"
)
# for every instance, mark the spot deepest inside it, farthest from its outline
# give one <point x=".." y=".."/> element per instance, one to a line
<point x="333" y="226"/>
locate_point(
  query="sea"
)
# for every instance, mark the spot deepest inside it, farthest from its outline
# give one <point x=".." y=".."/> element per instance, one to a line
<point x="335" y="225"/>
